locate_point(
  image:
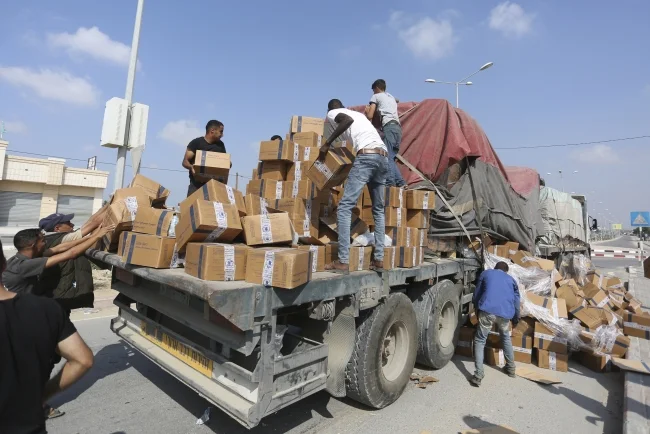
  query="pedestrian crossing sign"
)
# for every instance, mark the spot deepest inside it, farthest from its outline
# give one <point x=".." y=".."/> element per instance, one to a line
<point x="640" y="218"/>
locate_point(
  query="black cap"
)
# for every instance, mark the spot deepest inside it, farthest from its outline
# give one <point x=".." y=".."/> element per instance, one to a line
<point x="49" y="223"/>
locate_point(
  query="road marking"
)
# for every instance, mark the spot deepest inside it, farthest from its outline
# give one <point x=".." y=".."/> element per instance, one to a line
<point x="97" y="317"/>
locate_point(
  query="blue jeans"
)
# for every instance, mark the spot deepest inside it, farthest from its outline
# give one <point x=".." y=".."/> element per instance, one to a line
<point x="370" y="169"/>
<point x="392" y="139"/>
<point x="485" y="321"/>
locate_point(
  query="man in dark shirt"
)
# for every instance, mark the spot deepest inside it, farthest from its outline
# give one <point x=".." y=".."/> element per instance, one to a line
<point x="211" y="142"/>
<point x="33" y="331"/>
<point x="22" y="271"/>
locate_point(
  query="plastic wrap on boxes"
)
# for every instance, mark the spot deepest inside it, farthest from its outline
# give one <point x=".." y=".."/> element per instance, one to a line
<point x="540" y="282"/>
<point x="575" y="267"/>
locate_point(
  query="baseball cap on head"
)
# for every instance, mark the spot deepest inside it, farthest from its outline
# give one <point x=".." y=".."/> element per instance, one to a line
<point x="49" y="223"/>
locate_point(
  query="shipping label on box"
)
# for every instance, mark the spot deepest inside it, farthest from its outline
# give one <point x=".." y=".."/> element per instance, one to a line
<point x="395" y="197"/>
<point x="272" y="170"/>
<point x="303" y="124"/>
<point x="420" y="199"/>
<point x="267" y="229"/>
<point x="211" y="165"/>
<point x="266" y="188"/>
<point x="597" y="297"/>
<point x="256" y="205"/>
<point x="282" y="268"/>
<point x="215" y="191"/>
<point x="156" y="192"/>
<point x="131" y="194"/>
<point x="495" y="357"/>
<point x="221" y="262"/>
<point x="551" y="360"/>
<point x="545" y="339"/>
<point x="295" y="170"/>
<point x="395" y="217"/>
<point x="390" y="258"/>
<point x="409" y="257"/>
<point x="209" y="222"/>
<point x="146" y="250"/>
<point x="278" y="150"/>
<point x="320" y="257"/>
<point x="304" y="189"/>
<point x="333" y="170"/>
<point x="307" y="230"/>
<point x="417" y="219"/>
<point x="154" y="221"/>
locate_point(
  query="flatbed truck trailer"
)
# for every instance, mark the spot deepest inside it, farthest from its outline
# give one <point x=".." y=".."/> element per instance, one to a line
<point x="252" y="350"/>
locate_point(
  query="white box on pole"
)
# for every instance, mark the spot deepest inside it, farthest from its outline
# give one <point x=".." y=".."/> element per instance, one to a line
<point x="139" y="120"/>
<point x="114" y="125"/>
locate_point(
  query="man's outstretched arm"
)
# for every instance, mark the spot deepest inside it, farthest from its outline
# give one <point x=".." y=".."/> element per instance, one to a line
<point x="343" y="122"/>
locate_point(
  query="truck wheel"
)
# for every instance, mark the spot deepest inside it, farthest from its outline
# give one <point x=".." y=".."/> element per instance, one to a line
<point x="437" y="311"/>
<point x="384" y="353"/>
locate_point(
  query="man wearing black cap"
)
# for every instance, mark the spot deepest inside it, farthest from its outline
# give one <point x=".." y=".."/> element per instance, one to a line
<point x="62" y="223"/>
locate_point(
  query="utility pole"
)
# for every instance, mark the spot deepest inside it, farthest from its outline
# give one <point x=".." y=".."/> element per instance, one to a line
<point x="236" y="180"/>
<point x="130" y="84"/>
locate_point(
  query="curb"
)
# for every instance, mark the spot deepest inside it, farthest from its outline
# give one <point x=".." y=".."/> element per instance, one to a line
<point x="636" y="390"/>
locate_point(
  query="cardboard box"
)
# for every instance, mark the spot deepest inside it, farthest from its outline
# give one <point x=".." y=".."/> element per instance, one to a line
<point x="556" y="306"/>
<point x="146" y="250"/>
<point x="613" y="283"/>
<point x="357" y="227"/>
<point x="222" y="262"/>
<point x="212" y="165"/>
<point x="390" y="256"/>
<point x="321" y="255"/>
<point x="269" y="229"/>
<point x="296" y="170"/>
<point x="523" y="347"/>
<point x="420" y="199"/>
<point x="596" y="296"/>
<point x="121" y="213"/>
<point x="333" y="170"/>
<point x="636" y="325"/>
<point x="465" y="345"/>
<point x="525" y="327"/>
<point x="303" y="124"/>
<point x="304" y="189"/>
<point x="394" y="217"/>
<point x="272" y="170"/>
<point x="215" y="191"/>
<point x="209" y="222"/>
<point x="308" y="139"/>
<point x="597" y="362"/>
<point x="393" y="198"/>
<point x="266" y="188"/>
<point x="154" y="190"/>
<point x="307" y="230"/>
<point x="138" y="193"/>
<point x="525" y="259"/>
<point x="360" y="258"/>
<point x="417" y="218"/>
<point x="590" y="317"/>
<point x="408" y="257"/>
<point x="545" y="264"/>
<point x="155" y="221"/>
<point x="256" y="205"/>
<point x="551" y="360"/>
<point x="494" y="357"/>
<point x="570" y="296"/>
<point x="546" y="340"/>
<point x="441" y="244"/>
<point x="646" y="268"/>
<point x="281" y="268"/>
<point x="279" y="150"/>
<point x="404" y="236"/>
<point x="297" y="208"/>
<point x="571" y="283"/>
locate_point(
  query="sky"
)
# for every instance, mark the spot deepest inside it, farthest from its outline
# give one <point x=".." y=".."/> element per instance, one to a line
<point x="564" y="72"/>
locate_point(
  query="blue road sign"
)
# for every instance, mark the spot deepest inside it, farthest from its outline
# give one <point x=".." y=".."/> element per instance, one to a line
<point x="640" y="218"/>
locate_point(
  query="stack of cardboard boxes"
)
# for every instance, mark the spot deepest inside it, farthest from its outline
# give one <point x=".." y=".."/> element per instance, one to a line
<point x="279" y="233"/>
<point x="607" y="313"/>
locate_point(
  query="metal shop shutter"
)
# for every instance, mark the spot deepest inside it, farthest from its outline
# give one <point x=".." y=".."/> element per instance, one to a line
<point x="81" y="206"/>
<point x="20" y="209"/>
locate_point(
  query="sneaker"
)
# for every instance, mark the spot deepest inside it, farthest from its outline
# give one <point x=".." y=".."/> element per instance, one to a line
<point x="510" y="372"/>
<point x="475" y="381"/>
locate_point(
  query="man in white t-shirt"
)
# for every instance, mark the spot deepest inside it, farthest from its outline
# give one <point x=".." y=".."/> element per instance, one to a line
<point x="385" y="104"/>
<point x="370" y="168"/>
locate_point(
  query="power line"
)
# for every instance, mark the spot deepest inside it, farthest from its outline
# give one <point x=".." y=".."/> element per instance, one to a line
<point x="106" y="163"/>
<point x="575" y="144"/>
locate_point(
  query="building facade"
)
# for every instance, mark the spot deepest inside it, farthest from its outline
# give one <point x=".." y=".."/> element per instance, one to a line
<point x="32" y="188"/>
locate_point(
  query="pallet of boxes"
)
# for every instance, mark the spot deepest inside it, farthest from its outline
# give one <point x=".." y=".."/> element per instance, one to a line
<point x="589" y="316"/>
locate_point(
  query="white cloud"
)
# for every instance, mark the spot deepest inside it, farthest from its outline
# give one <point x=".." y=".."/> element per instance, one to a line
<point x="511" y="20"/>
<point x="16" y="127"/>
<point x="181" y="132"/>
<point x="426" y="38"/>
<point x="52" y="85"/>
<point x="597" y="154"/>
<point x="91" y="42"/>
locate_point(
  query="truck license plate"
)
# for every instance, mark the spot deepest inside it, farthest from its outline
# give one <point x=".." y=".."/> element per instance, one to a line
<point x="179" y="350"/>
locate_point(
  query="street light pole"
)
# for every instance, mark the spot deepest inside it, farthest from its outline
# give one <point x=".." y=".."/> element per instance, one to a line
<point x="130" y="84"/>
<point x="463" y="81"/>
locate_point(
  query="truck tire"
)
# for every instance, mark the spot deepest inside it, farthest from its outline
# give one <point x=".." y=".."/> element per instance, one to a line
<point x="384" y="353"/>
<point x="437" y="311"/>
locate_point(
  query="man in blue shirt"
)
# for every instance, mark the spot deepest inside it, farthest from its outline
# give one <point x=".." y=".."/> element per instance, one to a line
<point x="496" y="300"/>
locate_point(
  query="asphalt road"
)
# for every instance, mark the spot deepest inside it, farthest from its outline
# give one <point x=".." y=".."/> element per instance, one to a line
<point x="126" y="393"/>
<point x="624" y="242"/>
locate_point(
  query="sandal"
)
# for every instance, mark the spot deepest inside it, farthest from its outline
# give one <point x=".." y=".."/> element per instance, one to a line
<point x="337" y="267"/>
<point x="52" y="413"/>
